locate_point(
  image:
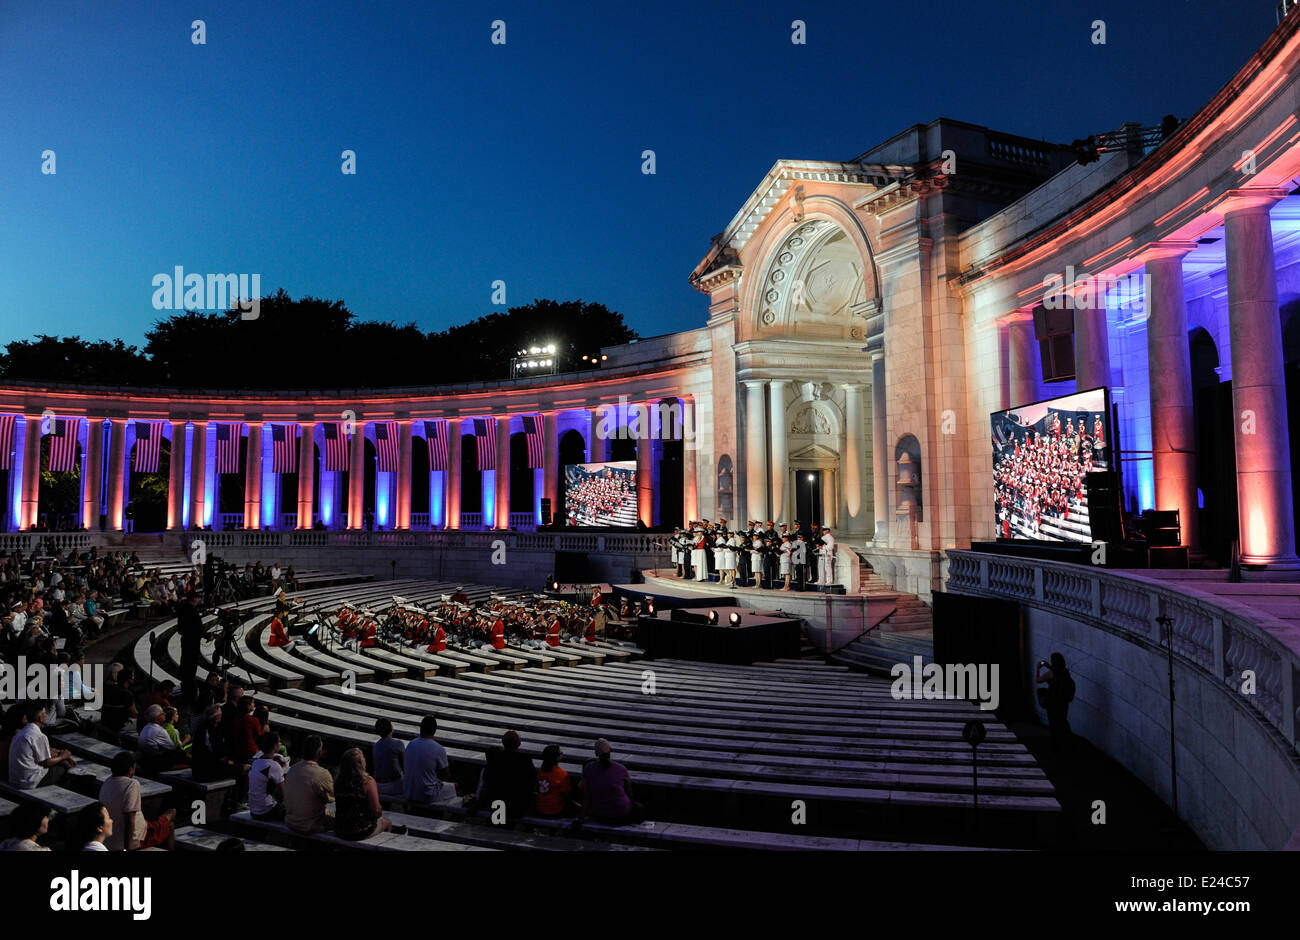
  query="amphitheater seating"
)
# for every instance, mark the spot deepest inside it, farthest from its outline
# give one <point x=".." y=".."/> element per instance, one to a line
<point x="710" y="747"/>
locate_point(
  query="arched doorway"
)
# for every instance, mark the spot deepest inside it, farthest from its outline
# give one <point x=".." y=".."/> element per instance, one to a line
<point x="59" y="498"/>
<point x="147" y="493"/>
<point x="522" y="494"/>
<point x="471" y="483"/>
<point x="419" y="482"/>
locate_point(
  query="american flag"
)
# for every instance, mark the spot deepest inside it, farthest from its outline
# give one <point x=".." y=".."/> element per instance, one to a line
<point x="485" y="435"/>
<point x="7" y="423"/>
<point x="228" y="448"/>
<point x="436" y="434"/>
<point x="284" y="446"/>
<point x="148" y="446"/>
<point x="533" y="432"/>
<point x="63" y="445"/>
<point x="386" y="446"/>
<point x="336" y="446"/>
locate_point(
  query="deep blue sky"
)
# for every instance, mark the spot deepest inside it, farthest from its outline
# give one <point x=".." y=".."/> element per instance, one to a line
<point x="519" y="162"/>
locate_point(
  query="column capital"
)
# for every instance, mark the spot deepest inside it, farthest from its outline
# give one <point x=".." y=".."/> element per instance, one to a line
<point x="753" y="383"/>
<point x="853" y="386"/>
<point x="1258" y="199"/>
<point x="778" y="382"/>
<point x="1168" y="249"/>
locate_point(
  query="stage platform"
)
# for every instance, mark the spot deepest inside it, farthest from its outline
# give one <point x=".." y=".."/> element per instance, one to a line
<point x="680" y="634"/>
<point x="833" y="620"/>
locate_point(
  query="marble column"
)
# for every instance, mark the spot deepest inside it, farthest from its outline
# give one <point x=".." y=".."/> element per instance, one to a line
<point x="253" y="477"/>
<point x="92" y="475"/>
<point x="117" y="475"/>
<point x="176" y="478"/>
<point x="306" y="473"/>
<point x="780" y="451"/>
<point x="453" y="473"/>
<point x="645" y="468"/>
<point x="198" y="471"/>
<point x="357" y="476"/>
<point x="551" y="476"/>
<point x="879" y="449"/>
<point x="502" y="507"/>
<point x="1169" y="375"/>
<point x="1260" y="420"/>
<point x="1091" y="345"/>
<point x="597" y="443"/>
<point x="405" y="434"/>
<point x="854" y="465"/>
<point x="1022" y="350"/>
<point x="30" y="506"/>
<point x="690" y="450"/>
<point x="756" y="468"/>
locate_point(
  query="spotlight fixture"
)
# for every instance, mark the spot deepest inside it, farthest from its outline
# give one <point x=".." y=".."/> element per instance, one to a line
<point x="713" y="616"/>
<point x="734" y="618"/>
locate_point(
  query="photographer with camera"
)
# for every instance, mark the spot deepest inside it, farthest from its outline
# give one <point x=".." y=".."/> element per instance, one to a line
<point x="1056" y="698"/>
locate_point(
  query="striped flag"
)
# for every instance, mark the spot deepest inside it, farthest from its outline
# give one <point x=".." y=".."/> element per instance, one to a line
<point x="436" y="434"/>
<point x="336" y="446"/>
<point x="228" y="447"/>
<point x="386" y="446"/>
<point x="63" y="445"/>
<point x="485" y="435"/>
<point x="533" y="432"/>
<point x="7" y="423"/>
<point x="284" y="448"/>
<point x="148" y="446"/>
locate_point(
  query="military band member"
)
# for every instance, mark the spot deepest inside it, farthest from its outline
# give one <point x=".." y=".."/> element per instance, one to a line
<point x="814" y="553"/>
<point x="828" y="557"/>
<point x="799" y="560"/>
<point x="675" y="547"/>
<point x="699" y="553"/>
<point x="756" y="560"/>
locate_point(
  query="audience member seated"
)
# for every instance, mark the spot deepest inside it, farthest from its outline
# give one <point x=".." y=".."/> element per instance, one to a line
<point x="93" y="826"/>
<point x="247" y="729"/>
<point x="211" y="759"/>
<point x="427" y="768"/>
<point x="554" y="788"/>
<point x="508" y="776"/>
<point x="31" y="761"/>
<point x="357" y="814"/>
<point x="308" y="789"/>
<point x="390" y="755"/>
<point x="607" y="791"/>
<point x="158" y="750"/>
<point x="120" y="794"/>
<point x="266" y="779"/>
<point x="27" y="823"/>
<point x="170" y="718"/>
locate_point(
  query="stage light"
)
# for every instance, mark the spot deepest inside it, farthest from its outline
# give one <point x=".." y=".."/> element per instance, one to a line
<point x="555" y="585"/>
<point x="735" y="617"/>
<point x="534" y="350"/>
<point x="551" y="348"/>
<point x="713" y="616"/>
<point x="603" y="358"/>
<point x="811" y="478"/>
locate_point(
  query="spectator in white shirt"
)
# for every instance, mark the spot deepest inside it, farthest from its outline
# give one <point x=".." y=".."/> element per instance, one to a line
<point x="94" y="825"/>
<point x="31" y="762"/>
<point x="266" y="779"/>
<point x="157" y="748"/>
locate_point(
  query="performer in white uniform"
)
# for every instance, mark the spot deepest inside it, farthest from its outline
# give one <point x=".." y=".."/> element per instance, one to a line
<point x="675" y="546"/>
<point x="798" y="561"/>
<point x="698" y="559"/>
<point x="719" y="549"/>
<point x="756" y="560"/>
<point x="732" y="557"/>
<point x="828" y="557"/>
<point x="784" y="569"/>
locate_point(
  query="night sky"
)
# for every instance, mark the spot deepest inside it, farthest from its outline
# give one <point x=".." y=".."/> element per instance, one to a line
<point x="522" y="162"/>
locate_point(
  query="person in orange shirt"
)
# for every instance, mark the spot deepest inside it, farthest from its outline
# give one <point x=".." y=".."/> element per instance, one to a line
<point x="554" y="788"/>
<point x="279" y="638"/>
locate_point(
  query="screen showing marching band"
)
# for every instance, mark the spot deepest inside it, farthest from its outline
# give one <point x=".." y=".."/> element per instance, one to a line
<point x="1042" y="454"/>
<point x="601" y="494"/>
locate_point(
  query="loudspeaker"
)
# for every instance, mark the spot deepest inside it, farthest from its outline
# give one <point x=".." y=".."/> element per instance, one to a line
<point x="1104" y="506"/>
<point x="546" y="510"/>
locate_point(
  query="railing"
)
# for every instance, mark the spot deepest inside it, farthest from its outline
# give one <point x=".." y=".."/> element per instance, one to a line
<point x="288" y="520"/>
<point x="471" y="520"/>
<point x="1285" y="7"/>
<point x="1211" y="634"/>
<point x="651" y="547"/>
<point x="27" y="542"/>
<point x="419" y="520"/>
<point x="523" y="520"/>
<point x="230" y="520"/>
